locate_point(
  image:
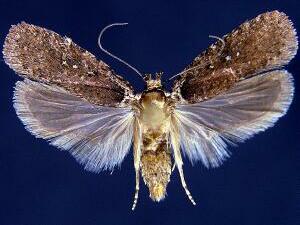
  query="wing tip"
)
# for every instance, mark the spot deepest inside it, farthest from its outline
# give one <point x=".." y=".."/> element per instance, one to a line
<point x="289" y="33"/>
<point x="9" y="51"/>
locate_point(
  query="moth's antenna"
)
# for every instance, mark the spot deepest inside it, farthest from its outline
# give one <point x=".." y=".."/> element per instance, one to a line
<point x="112" y="55"/>
<point x="204" y="64"/>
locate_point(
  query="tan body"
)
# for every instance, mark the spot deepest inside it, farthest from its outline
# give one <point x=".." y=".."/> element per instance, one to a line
<point x="155" y="152"/>
<point x="153" y="136"/>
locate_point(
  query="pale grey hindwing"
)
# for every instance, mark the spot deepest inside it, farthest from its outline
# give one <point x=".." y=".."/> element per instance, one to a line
<point x="98" y="137"/>
<point x="251" y="106"/>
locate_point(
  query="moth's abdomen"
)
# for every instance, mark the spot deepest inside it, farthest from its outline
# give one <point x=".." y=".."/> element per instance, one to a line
<point x="156" y="171"/>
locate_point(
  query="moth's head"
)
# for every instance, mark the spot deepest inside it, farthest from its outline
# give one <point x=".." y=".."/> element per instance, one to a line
<point x="153" y="82"/>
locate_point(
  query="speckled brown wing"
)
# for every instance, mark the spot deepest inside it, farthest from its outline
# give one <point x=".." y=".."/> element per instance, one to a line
<point x="44" y="56"/>
<point x="264" y="43"/>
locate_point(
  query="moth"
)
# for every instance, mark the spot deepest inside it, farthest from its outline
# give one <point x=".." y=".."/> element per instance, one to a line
<point x="231" y="91"/>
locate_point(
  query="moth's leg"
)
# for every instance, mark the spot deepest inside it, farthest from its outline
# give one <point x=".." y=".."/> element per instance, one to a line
<point x="137" y="160"/>
<point x="169" y="147"/>
<point x="188" y="193"/>
<point x="179" y="163"/>
<point x="178" y="158"/>
<point x="137" y="187"/>
<point x="173" y="168"/>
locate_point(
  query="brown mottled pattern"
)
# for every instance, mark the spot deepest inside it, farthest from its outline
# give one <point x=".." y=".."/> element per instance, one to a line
<point x="43" y="55"/>
<point x="267" y="42"/>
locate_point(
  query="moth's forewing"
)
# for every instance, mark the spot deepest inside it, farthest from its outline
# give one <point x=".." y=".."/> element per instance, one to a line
<point x="43" y="55"/>
<point x="266" y="42"/>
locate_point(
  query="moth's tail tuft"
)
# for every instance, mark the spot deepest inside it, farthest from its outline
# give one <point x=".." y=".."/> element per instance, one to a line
<point x="157" y="192"/>
<point x="156" y="171"/>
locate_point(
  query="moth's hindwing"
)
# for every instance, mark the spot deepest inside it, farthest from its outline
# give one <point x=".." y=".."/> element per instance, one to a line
<point x="251" y="106"/>
<point x="99" y="137"/>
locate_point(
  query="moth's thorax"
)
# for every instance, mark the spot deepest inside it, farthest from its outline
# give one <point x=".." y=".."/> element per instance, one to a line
<point x="156" y="156"/>
<point x="153" y="112"/>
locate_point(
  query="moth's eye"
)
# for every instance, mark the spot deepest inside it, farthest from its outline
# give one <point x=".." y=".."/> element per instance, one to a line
<point x="147" y="77"/>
